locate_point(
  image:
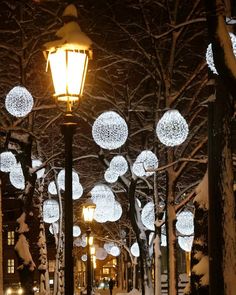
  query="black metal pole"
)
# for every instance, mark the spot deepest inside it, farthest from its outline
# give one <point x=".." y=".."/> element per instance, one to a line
<point x="68" y="130"/>
<point x="89" y="286"/>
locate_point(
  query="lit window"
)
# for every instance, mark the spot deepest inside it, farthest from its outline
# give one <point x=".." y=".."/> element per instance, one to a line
<point x="51" y="265"/>
<point x="10" y="266"/>
<point x="11" y="238"/>
<point x="105" y="271"/>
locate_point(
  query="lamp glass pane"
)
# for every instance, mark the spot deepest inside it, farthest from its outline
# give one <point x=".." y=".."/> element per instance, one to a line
<point x="88" y="213"/>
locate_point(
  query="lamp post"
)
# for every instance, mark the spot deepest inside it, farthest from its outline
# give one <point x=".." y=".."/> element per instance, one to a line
<point x="88" y="211"/>
<point x="68" y="60"/>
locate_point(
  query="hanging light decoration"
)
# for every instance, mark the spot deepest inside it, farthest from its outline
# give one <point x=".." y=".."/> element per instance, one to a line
<point x="77" y="190"/>
<point x="111" y="176"/>
<point x="119" y="165"/>
<point x="37" y="163"/>
<point x="101" y="253"/>
<point x="17" y="178"/>
<point x="185" y="243"/>
<point x="146" y="160"/>
<point x="110" y="130"/>
<point x="7" y="161"/>
<point x="52" y="188"/>
<point x="135" y="250"/>
<point x="172" y="128"/>
<point x="108" y="246"/>
<point x="84" y="257"/>
<point x="61" y="179"/>
<point x="209" y="53"/>
<point x="185" y="223"/>
<point x="54" y="228"/>
<point x="148" y="216"/>
<point x="76" y="231"/>
<point x="19" y="102"/>
<point x="50" y="211"/>
<point x="116" y="212"/>
<point x="115" y="251"/>
<point x="101" y="194"/>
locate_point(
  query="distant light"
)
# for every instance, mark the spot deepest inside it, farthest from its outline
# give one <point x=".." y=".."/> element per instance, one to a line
<point x="7" y="161"/>
<point x="110" y="130"/>
<point x="20" y="291"/>
<point x="172" y="128"/>
<point x="51" y="281"/>
<point x="9" y="291"/>
<point x="135" y="249"/>
<point x="19" y="102"/>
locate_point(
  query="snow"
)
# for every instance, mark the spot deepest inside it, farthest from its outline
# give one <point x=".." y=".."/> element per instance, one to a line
<point x="202" y="193"/>
<point x="202" y="268"/>
<point x="23" y="227"/>
<point x="22" y="248"/>
<point x="70" y="10"/>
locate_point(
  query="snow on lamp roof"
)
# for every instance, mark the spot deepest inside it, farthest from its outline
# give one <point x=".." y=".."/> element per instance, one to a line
<point x="146" y="160"/>
<point x="209" y="53"/>
<point x="172" y="128"/>
<point x="119" y="165"/>
<point x="110" y="130"/>
<point x="135" y="249"/>
<point x="76" y="231"/>
<point x="50" y="211"/>
<point x="7" y="161"/>
<point x="186" y="243"/>
<point x="19" y="102"/>
<point x="184" y="223"/>
<point x="148" y="216"/>
<point x="16" y="176"/>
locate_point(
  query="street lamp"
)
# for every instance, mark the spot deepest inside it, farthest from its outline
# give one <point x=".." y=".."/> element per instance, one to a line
<point x="88" y="212"/>
<point x="68" y="59"/>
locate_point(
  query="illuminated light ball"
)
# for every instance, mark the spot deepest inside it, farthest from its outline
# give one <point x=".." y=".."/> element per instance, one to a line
<point x="83" y="241"/>
<point x="7" y="161"/>
<point x="99" y="215"/>
<point x="77" y="242"/>
<point x="50" y="211"/>
<point x="209" y="54"/>
<point x="52" y="188"/>
<point x="116" y="212"/>
<point x="101" y="253"/>
<point x="111" y="176"/>
<point x="115" y="251"/>
<point x="135" y="250"/>
<point x="19" y="102"/>
<point x="38" y="163"/>
<point x="54" y="228"/>
<point x="110" y="131"/>
<point x="148" y="216"/>
<point x="77" y="190"/>
<point x="108" y="246"/>
<point x="119" y="165"/>
<point x="172" y="128"/>
<point x="17" y="178"/>
<point x="76" y="231"/>
<point x="186" y="243"/>
<point x="102" y="193"/>
<point x="146" y="160"/>
<point x="84" y="257"/>
<point x="185" y="223"/>
<point x="61" y="178"/>
<point x="163" y="240"/>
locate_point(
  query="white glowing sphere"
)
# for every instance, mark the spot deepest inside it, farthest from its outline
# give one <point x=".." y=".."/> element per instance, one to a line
<point x="115" y="251"/>
<point x="185" y="223"/>
<point x="77" y="242"/>
<point x="38" y="163"/>
<point x="50" y="211"/>
<point x="135" y="249"/>
<point x="186" y="243"/>
<point x="148" y="216"/>
<point x="209" y="53"/>
<point x="111" y="176"/>
<point x="110" y="130"/>
<point x="16" y="176"/>
<point x="77" y="190"/>
<point x="172" y="128"/>
<point x="19" y="102"/>
<point x="119" y="165"/>
<point x="52" y="188"/>
<point x="108" y="246"/>
<point x="61" y="179"/>
<point x="100" y="214"/>
<point x="115" y="212"/>
<point x="7" y="161"/>
<point x="54" y="228"/>
<point x="101" y="194"/>
<point x="84" y="257"/>
<point x="101" y="253"/>
<point x="76" y="231"/>
<point x="146" y="160"/>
